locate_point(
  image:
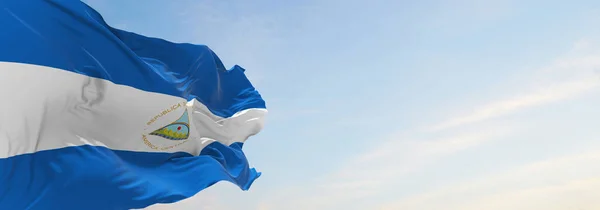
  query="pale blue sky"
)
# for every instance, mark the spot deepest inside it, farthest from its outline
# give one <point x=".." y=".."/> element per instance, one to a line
<point x="383" y="104"/>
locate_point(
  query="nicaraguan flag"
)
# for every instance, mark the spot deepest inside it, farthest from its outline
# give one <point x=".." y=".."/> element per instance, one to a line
<point x="93" y="117"/>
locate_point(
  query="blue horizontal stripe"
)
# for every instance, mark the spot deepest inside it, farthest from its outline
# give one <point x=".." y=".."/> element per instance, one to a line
<point x="69" y="35"/>
<point x="90" y="177"/>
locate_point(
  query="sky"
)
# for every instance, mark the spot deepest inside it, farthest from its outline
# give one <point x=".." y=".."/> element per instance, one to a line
<point x="394" y="104"/>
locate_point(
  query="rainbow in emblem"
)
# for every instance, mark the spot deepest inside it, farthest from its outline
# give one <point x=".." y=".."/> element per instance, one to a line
<point x="178" y="130"/>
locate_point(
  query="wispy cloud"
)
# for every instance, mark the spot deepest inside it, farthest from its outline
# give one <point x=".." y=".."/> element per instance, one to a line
<point x="378" y="170"/>
<point x="548" y="184"/>
<point x="577" y="73"/>
<point x="371" y="173"/>
<point x="400" y="157"/>
<point x="549" y="94"/>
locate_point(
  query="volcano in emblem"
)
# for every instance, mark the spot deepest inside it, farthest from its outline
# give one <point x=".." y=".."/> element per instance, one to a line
<point x="178" y="130"/>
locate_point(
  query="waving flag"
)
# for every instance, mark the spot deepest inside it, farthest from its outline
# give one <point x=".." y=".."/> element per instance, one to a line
<point x="92" y="117"/>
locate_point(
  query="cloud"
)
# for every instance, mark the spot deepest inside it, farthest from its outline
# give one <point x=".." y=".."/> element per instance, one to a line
<point x="542" y="96"/>
<point x="372" y="173"/>
<point x="376" y="172"/>
<point x="558" y="183"/>
<point x="567" y="78"/>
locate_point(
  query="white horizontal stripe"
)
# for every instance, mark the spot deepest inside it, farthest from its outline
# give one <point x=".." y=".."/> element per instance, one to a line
<point x="44" y="108"/>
